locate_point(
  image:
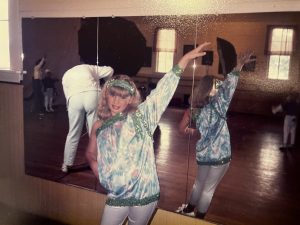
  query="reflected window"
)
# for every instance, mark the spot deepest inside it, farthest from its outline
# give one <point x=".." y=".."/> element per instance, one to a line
<point x="165" y="49"/>
<point x="280" y="48"/>
<point x="4" y="37"/>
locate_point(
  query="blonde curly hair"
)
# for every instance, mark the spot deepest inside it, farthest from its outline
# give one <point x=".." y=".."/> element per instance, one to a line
<point x="103" y="109"/>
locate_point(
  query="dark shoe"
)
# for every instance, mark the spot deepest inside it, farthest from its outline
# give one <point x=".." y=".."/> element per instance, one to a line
<point x="283" y="148"/>
<point x="291" y="147"/>
<point x="200" y="215"/>
<point x="186" y="209"/>
<point x="189" y="208"/>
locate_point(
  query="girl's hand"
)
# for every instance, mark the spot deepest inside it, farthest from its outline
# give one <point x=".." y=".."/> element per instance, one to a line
<point x="244" y="58"/>
<point x="197" y="52"/>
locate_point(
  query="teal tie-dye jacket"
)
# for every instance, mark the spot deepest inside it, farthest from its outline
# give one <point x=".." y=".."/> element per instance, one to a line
<point x="126" y="161"/>
<point x="214" y="148"/>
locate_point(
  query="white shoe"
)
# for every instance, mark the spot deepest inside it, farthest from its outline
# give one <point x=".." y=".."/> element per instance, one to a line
<point x="51" y="110"/>
<point x="64" y="168"/>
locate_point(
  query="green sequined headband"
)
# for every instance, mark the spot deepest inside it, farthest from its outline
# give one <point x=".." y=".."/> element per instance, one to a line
<point x="122" y="84"/>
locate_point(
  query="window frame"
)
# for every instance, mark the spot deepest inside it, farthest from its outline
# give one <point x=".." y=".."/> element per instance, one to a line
<point x="268" y="53"/>
<point x="157" y="51"/>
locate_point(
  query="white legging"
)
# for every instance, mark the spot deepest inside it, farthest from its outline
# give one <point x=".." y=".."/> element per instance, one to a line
<point x="137" y="215"/>
<point x="289" y="128"/>
<point x="207" y="180"/>
<point x="81" y="105"/>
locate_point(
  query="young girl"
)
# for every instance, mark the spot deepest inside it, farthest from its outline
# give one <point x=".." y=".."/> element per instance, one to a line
<point x="120" y="150"/>
<point x="213" y="151"/>
<point x="49" y="87"/>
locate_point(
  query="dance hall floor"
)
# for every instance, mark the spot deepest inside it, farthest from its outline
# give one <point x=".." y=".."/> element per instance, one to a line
<point x="262" y="186"/>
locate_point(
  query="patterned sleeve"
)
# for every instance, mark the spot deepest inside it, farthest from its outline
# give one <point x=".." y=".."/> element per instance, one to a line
<point x="225" y="93"/>
<point x="159" y="98"/>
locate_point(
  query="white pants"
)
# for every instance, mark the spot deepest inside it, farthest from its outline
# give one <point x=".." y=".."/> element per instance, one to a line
<point x="289" y="128"/>
<point x="207" y="180"/>
<point x="79" y="106"/>
<point x="137" y="215"/>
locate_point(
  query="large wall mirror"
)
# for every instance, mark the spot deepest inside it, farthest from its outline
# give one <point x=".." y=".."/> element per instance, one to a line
<point x="59" y="39"/>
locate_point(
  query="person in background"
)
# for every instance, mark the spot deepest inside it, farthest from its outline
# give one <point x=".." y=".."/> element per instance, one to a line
<point x="290" y="108"/>
<point x="120" y="150"/>
<point x="213" y="150"/>
<point x="38" y="86"/>
<point x="81" y="87"/>
<point x="49" y="87"/>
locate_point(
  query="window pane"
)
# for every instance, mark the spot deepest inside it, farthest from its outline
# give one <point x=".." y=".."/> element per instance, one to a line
<point x="282" y="40"/>
<point x="4" y="45"/>
<point x="279" y="66"/>
<point x="165" y="62"/>
<point x="284" y="67"/>
<point x="169" y="61"/>
<point x="289" y="43"/>
<point x="4" y="9"/>
<point x="166" y="39"/>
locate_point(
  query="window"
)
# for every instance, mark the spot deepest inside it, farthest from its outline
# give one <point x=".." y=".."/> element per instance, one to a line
<point x="165" y="49"/>
<point x="280" y="48"/>
<point x="4" y="37"/>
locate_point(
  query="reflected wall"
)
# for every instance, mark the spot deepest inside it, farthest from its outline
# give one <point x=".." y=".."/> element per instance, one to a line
<point x="57" y="39"/>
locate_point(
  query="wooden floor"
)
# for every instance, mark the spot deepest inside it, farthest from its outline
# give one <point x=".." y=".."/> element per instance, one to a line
<point x="262" y="186"/>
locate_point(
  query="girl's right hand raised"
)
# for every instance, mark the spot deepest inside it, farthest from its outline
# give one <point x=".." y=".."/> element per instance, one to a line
<point x="197" y="52"/>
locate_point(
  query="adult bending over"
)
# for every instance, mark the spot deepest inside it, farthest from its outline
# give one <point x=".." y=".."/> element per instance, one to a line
<point x="82" y="89"/>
